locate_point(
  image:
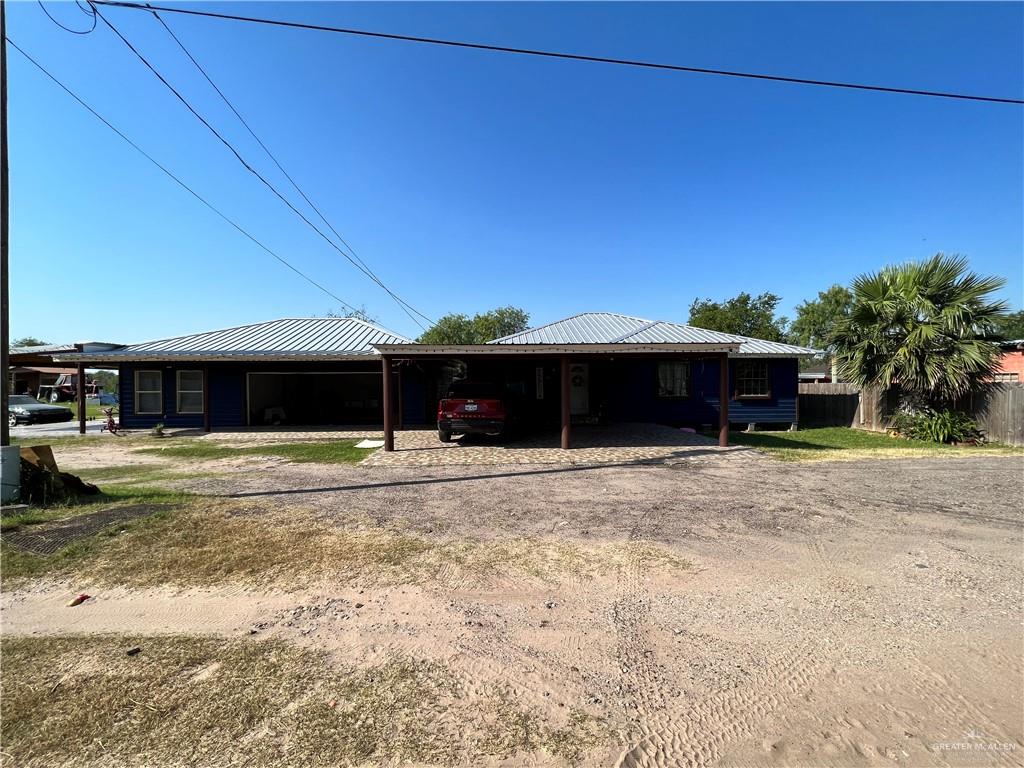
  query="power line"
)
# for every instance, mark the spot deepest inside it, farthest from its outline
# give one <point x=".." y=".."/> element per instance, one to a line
<point x="281" y="168"/>
<point x="565" y="56"/>
<point x="69" y="29"/>
<point x="245" y="164"/>
<point x="178" y="181"/>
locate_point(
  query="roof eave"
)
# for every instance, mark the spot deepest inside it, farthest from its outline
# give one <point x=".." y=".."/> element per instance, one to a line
<point x="417" y="350"/>
<point x="216" y="357"/>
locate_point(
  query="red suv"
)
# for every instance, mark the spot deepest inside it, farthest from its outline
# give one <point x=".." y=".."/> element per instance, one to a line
<point x="472" y="407"/>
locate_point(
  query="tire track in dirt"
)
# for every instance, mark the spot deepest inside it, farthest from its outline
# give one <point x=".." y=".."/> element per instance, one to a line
<point x="695" y="735"/>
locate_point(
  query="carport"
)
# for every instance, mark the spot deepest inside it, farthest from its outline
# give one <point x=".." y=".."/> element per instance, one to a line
<point x="601" y="368"/>
<point x="570" y="364"/>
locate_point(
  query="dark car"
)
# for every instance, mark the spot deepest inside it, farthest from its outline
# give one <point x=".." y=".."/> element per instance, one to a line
<point x="23" y="409"/>
<point x="474" y="407"/>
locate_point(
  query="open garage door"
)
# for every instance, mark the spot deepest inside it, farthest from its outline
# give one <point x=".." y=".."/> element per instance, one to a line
<point x="314" y="399"/>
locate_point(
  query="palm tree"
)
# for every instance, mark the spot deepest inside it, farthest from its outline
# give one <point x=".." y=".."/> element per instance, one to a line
<point x="922" y="327"/>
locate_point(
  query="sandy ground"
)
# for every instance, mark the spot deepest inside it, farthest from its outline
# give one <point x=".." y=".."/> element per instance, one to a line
<point x="855" y="613"/>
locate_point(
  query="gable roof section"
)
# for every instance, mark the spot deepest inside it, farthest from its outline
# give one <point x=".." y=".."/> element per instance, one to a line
<point x="304" y="338"/>
<point x="610" y="328"/>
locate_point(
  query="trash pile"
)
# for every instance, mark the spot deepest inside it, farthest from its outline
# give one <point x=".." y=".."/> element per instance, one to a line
<point x="43" y="483"/>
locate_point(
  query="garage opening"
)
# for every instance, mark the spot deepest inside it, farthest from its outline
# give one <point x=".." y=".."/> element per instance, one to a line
<point x="313" y="399"/>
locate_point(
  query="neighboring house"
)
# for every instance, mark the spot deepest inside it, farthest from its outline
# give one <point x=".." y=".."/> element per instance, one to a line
<point x="27" y="379"/>
<point x="331" y="371"/>
<point x="1011" y="364"/>
<point x="818" y="374"/>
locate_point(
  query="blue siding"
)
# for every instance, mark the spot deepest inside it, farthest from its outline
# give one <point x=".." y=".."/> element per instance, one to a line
<point x="631" y="395"/>
<point x="621" y="390"/>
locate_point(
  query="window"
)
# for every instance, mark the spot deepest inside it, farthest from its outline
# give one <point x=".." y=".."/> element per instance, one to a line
<point x="190" y="391"/>
<point x="149" y="392"/>
<point x="752" y="379"/>
<point x="673" y="379"/>
<point x="1006" y="376"/>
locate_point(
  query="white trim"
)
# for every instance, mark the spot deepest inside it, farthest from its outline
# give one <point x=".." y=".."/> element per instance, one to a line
<point x="178" y="391"/>
<point x="136" y="391"/>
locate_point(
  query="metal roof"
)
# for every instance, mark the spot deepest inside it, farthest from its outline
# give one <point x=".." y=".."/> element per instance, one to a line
<point x="288" y="338"/>
<point x="611" y="328"/>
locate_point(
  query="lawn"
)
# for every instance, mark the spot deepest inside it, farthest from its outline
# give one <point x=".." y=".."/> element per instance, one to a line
<point x="332" y="452"/>
<point x="831" y="443"/>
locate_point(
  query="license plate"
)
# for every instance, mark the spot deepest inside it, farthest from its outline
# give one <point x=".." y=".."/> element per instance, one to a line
<point x="469" y="407"/>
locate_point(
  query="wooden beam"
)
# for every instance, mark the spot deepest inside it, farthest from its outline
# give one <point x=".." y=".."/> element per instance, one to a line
<point x="723" y="401"/>
<point x="566" y="404"/>
<point x="206" y="398"/>
<point x="389" y="426"/>
<point x="400" y="418"/>
<point x="80" y="393"/>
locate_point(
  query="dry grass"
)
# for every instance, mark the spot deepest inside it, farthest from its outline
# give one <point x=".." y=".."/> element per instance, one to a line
<point x="208" y="542"/>
<point x="74" y="701"/>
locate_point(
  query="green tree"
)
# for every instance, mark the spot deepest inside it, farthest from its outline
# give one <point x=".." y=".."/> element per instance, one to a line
<point x="1010" y="327"/>
<point x="816" y="321"/>
<point x="450" y="329"/>
<point x="743" y="315"/>
<point x="481" y="328"/>
<point x="923" y="327"/>
<point x="503" y="321"/>
<point x="28" y="341"/>
<point x="106" y="379"/>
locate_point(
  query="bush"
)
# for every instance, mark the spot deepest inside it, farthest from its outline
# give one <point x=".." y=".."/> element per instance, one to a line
<point x="937" y="426"/>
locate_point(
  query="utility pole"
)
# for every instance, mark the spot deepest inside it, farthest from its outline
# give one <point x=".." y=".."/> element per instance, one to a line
<point x="5" y="243"/>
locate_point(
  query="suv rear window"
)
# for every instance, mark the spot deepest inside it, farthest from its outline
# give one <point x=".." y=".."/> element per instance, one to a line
<point x="475" y="389"/>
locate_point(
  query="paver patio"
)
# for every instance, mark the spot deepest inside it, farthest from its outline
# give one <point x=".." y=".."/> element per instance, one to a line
<point x="618" y="443"/>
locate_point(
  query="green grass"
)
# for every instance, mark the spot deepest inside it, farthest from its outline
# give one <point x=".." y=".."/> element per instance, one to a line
<point x="829" y="443"/>
<point x="333" y="452"/>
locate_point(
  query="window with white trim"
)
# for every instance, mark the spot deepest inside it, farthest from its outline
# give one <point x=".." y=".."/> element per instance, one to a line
<point x="190" y="391"/>
<point x="149" y="392"/>
<point x="752" y="379"/>
<point x="673" y="379"/>
<point x="1006" y="376"/>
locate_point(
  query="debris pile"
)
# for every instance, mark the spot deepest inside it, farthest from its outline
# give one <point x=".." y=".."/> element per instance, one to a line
<point x="43" y="483"/>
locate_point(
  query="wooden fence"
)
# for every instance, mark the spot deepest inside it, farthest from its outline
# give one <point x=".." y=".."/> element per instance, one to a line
<point x="998" y="409"/>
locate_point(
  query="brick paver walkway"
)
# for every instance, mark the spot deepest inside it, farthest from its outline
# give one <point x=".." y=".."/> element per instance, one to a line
<point x="624" y="443"/>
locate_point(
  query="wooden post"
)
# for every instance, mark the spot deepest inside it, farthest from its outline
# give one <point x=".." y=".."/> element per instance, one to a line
<point x="206" y="398"/>
<point x="5" y="314"/>
<point x="566" y="403"/>
<point x="389" y="427"/>
<point x="723" y="401"/>
<point x="80" y="387"/>
<point x="400" y="416"/>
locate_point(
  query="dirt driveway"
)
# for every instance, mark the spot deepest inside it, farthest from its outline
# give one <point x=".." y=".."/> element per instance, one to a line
<point x="711" y="612"/>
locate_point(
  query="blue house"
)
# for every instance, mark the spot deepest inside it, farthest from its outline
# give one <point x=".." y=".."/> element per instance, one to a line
<point x="594" y="367"/>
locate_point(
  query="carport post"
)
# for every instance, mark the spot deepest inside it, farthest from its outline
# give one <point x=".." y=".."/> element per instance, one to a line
<point x="389" y="427"/>
<point x="81" y="398"/>
<point x="723" y="400"/>
<point x="566" y="404"/>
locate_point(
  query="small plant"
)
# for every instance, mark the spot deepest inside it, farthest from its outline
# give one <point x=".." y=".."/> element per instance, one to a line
<point x="158" y="430"/>
<point x="945" y="426"/>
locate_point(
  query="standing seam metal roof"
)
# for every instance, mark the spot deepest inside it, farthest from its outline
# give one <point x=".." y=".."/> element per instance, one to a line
<point x="288" y="336"/>
<point x="610" y="328"/>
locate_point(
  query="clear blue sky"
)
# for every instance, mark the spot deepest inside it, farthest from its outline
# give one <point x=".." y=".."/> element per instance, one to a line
<point x="470" y="180"/>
